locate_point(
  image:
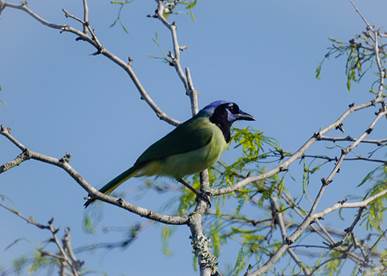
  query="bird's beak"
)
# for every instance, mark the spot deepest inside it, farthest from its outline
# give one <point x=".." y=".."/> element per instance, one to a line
<point x="244" y="116"/>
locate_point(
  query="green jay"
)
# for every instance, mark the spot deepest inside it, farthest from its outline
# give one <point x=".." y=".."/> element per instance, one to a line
<point x="191" y="147"/>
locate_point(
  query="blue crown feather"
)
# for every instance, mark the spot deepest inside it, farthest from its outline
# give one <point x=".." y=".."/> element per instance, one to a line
<point x="209" y="109"/>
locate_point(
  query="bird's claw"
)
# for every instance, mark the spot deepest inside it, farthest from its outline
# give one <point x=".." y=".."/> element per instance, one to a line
<point x="205" y="196"/>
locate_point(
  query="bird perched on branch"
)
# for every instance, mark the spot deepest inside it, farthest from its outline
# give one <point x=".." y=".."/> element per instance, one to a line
<point x="191" y="147"/>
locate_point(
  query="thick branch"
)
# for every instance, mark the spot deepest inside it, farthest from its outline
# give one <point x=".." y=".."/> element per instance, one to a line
<point x="200" y="243"/>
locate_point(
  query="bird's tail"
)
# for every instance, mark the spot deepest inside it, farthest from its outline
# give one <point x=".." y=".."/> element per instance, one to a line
<point x="113" y="184"/>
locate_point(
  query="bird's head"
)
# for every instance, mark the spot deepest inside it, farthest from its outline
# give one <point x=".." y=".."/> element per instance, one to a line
<point x="225" y="112"/>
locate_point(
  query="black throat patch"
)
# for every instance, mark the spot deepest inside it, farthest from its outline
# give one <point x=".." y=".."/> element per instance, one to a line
<point x="219" y="118"/>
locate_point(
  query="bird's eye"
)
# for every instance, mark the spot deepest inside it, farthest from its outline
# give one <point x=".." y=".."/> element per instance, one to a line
<point x="233" y="108"/>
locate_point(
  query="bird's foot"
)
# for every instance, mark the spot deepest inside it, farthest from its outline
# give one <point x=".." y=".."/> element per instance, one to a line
<point x="200" y="195"/>
<point x="205" y="196"/>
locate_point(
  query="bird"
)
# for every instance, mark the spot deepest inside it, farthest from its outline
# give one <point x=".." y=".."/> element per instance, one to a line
<point x="190" y="148"/>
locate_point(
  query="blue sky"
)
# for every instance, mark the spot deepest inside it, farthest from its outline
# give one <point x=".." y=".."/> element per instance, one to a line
<point x="58" y="98"/>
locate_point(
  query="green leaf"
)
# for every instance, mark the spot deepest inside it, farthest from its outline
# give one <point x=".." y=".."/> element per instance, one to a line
<point x="376" y="207"/>
<point x="19" y="264"/>
<point x="348" y="84"/>
<point x="240" y="262"/>
<point x="124" y="27"/>
<point x="215" y="237"/>
<point x="191" y="5"/>
<point x="335" y="41"/>
<point x="383" y="258"/>
<point x="305" y="179"/>
<point x="39" y="262"/>
<point x="165" y="235"/>
<point x="192" y="15"/>
<point x="195" y="262"/>
<point x="218" y="212"/>
<point x="156" y="40"/>
<point x="88" y="225"/>
<point x="315" y="169"/>
<point x="369" y="176"/>
<point x="247" y="238"/>
<point x="334" y="264"/>
<point x="187" y="199"/>
<point x="318" y="71"/>
<point x="118" y="17"/>
<point x="281" y="186"/>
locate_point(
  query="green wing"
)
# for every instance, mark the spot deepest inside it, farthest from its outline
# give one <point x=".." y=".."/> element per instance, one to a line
<point x="191" y="135"/>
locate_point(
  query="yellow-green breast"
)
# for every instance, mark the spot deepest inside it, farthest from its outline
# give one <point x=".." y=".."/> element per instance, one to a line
<point x="187" y="163"/>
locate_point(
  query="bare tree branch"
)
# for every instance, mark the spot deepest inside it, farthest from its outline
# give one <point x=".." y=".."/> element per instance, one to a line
<point x="325" y="182"/>
<point x="65" y="255"/>
<point x="376" y="34"/>
<point x="300" y="152"/>
<point x="175" y="57"/>
<point x="94" y="41"/>
<point x="348" y="245"/>
<point x="308" y="221"/>
<point x="282" y="226"/>
<point x="200" y="243"/>
<point x="324" y="232"/>
<point x="311" y="218"/>
<point x="63" y="164"/>
<point x="360" y="14"/>
<point x="85" y="16"/>
<point x="358" y="158"/>
<point x="184" y="75"/>
<point x="380" y="142"/>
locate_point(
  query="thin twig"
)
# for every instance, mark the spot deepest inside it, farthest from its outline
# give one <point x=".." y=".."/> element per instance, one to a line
<point x="358" y="158"/>
<point x="62" y="256"/>
<point x="192" y="92"/>
<point x="308" y="221"/>
<point x="311" y="215"/>
<point x="361" y="15"/>
<point x="284" y="235"/>
<point x="85" y="16"/>
<point x="29" y="220"/>
<point x="351" y="139"/>
<point x="184" y="75"/>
